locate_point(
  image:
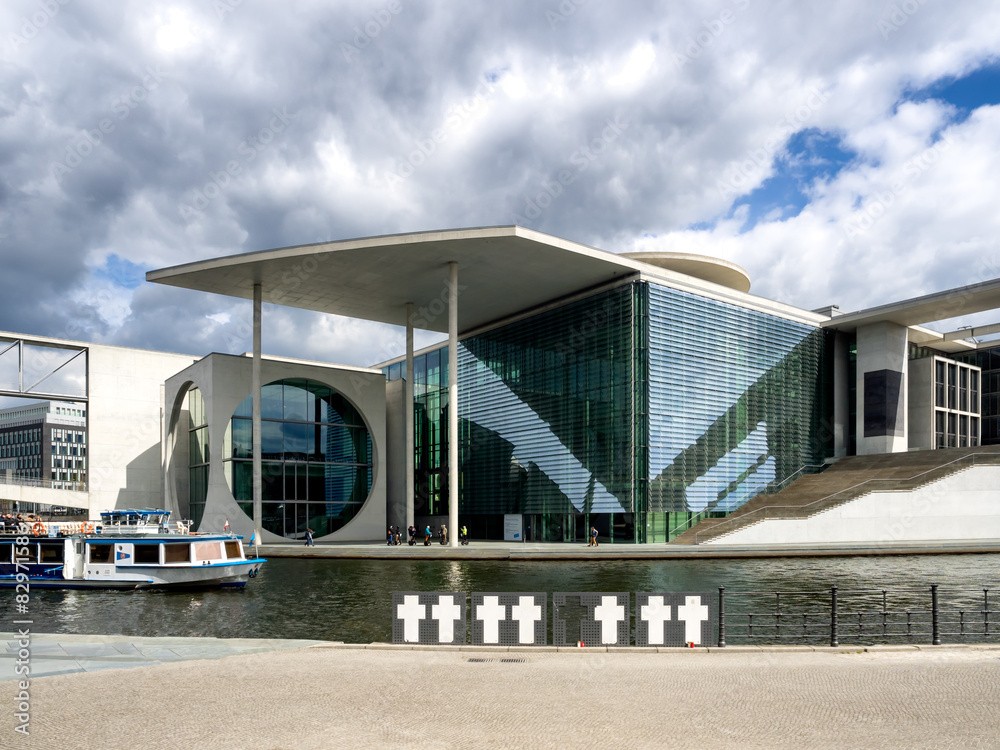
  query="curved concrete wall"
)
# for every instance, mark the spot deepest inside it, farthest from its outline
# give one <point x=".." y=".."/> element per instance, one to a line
<point x="964" y="506"/>
<point x="224" y="381"/>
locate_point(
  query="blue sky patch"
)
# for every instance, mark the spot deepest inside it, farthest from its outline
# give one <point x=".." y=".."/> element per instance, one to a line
<point x="121" y="272"/>
<point x="810" y="155"/>
<point x="979" y="88"/>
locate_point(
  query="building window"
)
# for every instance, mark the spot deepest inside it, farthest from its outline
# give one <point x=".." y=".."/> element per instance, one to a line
<point x="952" y="387"/>
<point x="198" y="455"/>
<point x="316" y="453"/>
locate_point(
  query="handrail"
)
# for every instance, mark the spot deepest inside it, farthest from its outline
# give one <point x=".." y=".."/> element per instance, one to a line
<point x="740" y="520"/>
<point x="43" y="483"/>
<point x="767" y="490"/>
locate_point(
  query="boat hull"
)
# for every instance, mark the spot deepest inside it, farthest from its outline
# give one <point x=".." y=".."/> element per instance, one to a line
<point x="228" y="575"/>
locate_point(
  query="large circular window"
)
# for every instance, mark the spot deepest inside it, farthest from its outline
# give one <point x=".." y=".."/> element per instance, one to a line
<point x="316" y="455"/>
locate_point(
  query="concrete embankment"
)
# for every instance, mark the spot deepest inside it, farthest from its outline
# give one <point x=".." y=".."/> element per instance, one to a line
<point x="540" y="551"/>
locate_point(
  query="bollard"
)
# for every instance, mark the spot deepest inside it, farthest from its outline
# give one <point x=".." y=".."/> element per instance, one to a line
<point x="935" y="627"/>
<point x="722" y="617"/>
<point x="833" y="617"/>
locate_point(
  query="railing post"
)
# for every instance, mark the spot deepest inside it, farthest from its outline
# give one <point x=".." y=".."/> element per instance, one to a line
<point x="935" y="626"/>
<point x="833" y="617"/>
<point x="722" y="617"/>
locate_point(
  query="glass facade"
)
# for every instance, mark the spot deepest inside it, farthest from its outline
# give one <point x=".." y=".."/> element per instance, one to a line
<point x="736" y="402"/>
<point x="546" y="419"/>
<point x="316" y="455"/>
<point x="198" y="455"/>
<point x="989" y="361"/>
<point x="631" y="410"/>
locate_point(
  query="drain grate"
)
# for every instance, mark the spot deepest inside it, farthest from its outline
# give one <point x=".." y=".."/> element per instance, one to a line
<point x="496" y="661"/>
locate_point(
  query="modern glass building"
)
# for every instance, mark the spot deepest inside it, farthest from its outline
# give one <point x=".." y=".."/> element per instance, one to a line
<point x="637" y="393"/>
<point x="633" y="410"/>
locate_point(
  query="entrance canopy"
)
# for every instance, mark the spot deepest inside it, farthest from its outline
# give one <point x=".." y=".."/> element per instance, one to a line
<point x="504" y="270"/>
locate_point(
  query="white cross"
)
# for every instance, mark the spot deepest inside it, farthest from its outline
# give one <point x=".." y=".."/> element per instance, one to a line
<point x="527" y="613"/>
<point x="446" y="611"/>
<point x="655" y="613"/>
<point x="411" y="612"/>
<point x="609" y="613"/>
<point x="694" y="613"/>
<point x="492" y="613"/>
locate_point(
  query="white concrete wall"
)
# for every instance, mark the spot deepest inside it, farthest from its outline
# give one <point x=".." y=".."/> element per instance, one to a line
<point x="225" y="380"/>
<point x="920" y="409"/>
<point x="964" y="506"/>
<point x="124" y="466"/>
<point x="882" y="346"/>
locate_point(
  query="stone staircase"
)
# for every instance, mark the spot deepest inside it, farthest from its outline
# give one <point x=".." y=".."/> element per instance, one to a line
<point x="848" y="479"/>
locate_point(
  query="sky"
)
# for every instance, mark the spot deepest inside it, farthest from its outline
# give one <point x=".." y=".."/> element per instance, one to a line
<point x="843" y="153"/>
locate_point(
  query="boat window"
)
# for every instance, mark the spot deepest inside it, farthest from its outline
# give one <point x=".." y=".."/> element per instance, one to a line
<point x="147" y="554"/>
<point x="100" y="553"/>
<point x="52" y="553"/>
<point x="206" y="551"/>
<point x="5" y="551"/>
<point x="233" y="550"/>
<point x="176" y="553"/>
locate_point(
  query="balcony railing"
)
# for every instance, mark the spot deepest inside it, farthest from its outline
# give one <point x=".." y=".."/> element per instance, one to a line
<point x="49" y="484"/>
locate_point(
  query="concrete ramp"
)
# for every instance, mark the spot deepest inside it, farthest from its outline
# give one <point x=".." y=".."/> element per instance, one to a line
<point x="849" y="480"/>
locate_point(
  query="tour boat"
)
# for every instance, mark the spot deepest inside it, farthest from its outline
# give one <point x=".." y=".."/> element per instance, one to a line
<point x="127" y="549"/>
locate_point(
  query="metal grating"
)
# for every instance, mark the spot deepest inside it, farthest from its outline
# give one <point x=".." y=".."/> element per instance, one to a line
<point x="495" y="661"/>
<point x="675" y="619"/>
<point x="428" y="617"/>
<point x="603" y="618"/>
<point x="509" y="619"/>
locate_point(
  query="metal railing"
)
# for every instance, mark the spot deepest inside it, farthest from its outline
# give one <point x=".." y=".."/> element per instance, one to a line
<point x="810" y="509"/>
<point x="865" y="616"/>
<point x="50" y="484"/>
<point x="769" y="488"/>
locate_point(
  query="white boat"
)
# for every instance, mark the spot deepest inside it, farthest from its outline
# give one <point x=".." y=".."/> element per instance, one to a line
<point x="128" y="549"/>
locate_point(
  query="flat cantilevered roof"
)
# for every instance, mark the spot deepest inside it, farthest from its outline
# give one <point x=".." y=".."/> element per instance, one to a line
<point x="502" y="271"/>
<point x="951" y="303"/>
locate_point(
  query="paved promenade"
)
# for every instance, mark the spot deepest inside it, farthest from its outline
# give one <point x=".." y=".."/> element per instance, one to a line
<point x="336" y="696"/>
<point x="606" y="551"/>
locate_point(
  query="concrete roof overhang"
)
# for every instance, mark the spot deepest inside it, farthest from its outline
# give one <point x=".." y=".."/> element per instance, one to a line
<point x="950" y="303"/>
<point x="501" y="271"/>
<point x="715" y="270"/>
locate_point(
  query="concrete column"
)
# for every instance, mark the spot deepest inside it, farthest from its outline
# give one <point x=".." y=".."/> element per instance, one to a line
<point x="408" y="416"/>
<point x="257" y="485"/>
<point x="882" y="388"/>
<point x="841" y="396"/>
<point x="453" y="403"/>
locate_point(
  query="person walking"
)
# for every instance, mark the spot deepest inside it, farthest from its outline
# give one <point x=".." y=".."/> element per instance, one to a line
<point x="593" y="537"/>
<point x="463" y="535"/>
<point x="444" y="534"/>
<point x="309" y="538"/>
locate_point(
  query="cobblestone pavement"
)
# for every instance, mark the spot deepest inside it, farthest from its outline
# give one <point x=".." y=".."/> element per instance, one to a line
<point x="343" y="697"/>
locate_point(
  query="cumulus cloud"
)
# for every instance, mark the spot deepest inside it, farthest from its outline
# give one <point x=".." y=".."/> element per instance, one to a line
<point x="135" y="137"/>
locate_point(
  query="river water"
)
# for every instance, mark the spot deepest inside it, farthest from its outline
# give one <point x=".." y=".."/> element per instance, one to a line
<point x="350" y="600"/>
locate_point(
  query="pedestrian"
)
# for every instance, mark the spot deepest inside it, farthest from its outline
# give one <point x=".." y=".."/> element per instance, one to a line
<point x="463" y="535"/>
<point x="444" y="534"/>
<point x="309" y="538"/>
<point x="593" y="534"/>
<point x="388" y="537"/>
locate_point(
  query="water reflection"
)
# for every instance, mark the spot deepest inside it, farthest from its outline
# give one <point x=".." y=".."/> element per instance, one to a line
<point x="349" y="600"/>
